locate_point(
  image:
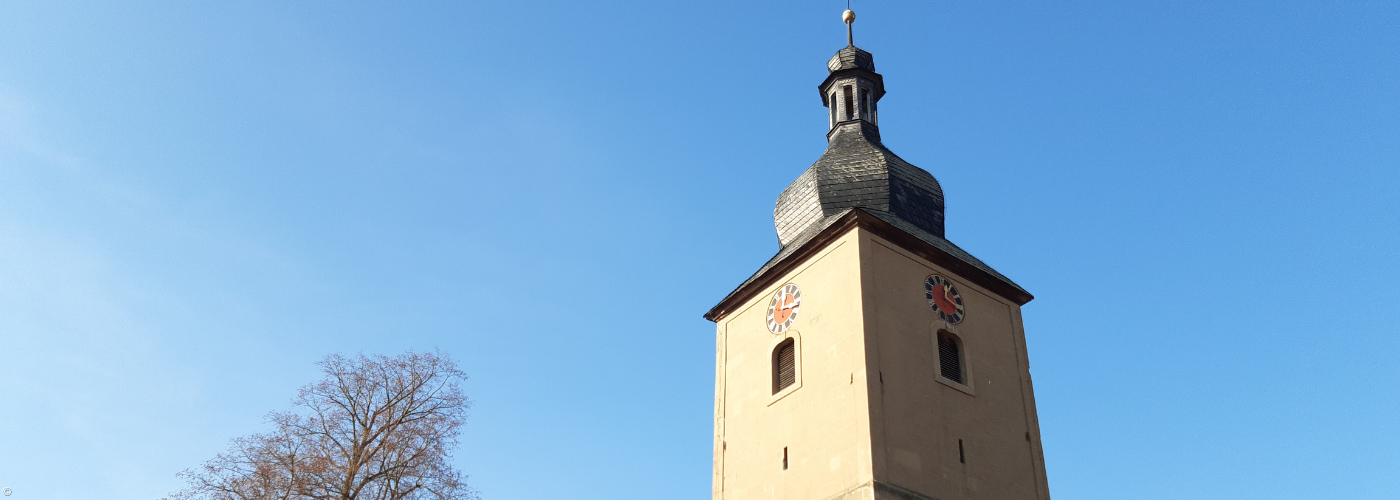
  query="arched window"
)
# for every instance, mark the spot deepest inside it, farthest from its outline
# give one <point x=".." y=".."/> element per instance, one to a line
<point x="784" y="365"/>
<point x="950" y="358"/>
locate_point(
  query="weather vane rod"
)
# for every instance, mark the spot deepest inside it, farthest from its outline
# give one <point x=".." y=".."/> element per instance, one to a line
<point x="849" y="16"/>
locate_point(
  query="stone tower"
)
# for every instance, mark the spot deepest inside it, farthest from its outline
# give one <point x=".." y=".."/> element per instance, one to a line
<point x="871" y="358"/>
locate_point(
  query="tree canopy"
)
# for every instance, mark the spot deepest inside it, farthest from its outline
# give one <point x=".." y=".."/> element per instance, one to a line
<point x="373" y="428"/>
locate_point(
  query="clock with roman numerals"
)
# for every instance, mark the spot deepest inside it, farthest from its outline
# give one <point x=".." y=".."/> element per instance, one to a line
<point x="782" y="310"/>
<point x="944" y="299"/>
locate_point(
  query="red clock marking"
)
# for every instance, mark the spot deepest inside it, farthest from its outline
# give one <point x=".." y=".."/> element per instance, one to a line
<point x="943" y="297"/>
<point x="784" y="310"/>
<point x="944" y="300"/>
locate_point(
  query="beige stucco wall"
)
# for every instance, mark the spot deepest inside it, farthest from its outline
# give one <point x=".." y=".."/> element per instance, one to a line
<point x="916" y="421"/>
<point x="822" y="423"/>
<point x="869" y="418"/>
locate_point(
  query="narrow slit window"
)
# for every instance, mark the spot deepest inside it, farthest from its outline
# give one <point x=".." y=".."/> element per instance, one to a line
<point x="864" y="103"/>
<point x="832" y="101"/>
<point x="861" y="105"/>
<point x="784" y="365"/>
<point x="962" y="458"/>
<point x="950" y="359"/>
<point x="850" y="104"/>
<point x="784" y="458"/>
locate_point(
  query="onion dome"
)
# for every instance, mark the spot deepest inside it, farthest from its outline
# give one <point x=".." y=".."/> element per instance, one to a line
<point x="857" y="170"/>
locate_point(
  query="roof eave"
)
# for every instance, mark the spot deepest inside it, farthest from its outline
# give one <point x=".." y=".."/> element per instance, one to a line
<point x="855" y="218"/>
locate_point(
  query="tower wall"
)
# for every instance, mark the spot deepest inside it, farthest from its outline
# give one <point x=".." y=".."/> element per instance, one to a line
<point x="870" y="417"/>
<point x="917" y="417"/>
<point x="824" y="422"/>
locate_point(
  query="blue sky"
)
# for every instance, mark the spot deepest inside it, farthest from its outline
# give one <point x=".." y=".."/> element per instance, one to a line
<point x="199" y="200"/>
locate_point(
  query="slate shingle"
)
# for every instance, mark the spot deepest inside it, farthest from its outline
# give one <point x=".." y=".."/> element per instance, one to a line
<point x="857" y="171"/>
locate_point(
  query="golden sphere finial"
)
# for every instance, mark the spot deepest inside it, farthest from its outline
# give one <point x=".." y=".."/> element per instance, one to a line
<point x="849" y="16"/>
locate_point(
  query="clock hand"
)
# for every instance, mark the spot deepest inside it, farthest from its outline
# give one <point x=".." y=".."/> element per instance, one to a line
<point x="948" y="295"/>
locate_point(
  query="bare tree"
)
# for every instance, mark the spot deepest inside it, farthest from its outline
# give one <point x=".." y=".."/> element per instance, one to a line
<point x="374" y="428"/>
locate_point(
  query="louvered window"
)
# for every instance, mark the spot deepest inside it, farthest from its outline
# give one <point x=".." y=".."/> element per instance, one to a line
<point x="950" y="358"/>
<point x="784" y="365"/>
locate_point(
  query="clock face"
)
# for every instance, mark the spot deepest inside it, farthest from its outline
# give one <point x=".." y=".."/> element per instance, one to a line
<point x="782" y="310"/>
<point x="944" y="299"/>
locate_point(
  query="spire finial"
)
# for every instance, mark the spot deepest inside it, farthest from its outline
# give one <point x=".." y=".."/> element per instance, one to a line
<point x="849" y="17"/>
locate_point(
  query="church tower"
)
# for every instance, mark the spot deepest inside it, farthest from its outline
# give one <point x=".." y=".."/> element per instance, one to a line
<point x="871" y="358"/>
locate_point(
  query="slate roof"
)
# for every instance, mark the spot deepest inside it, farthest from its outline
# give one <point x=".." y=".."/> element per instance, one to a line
<point x="851" y="57"/>
<point x="858" y="171"/>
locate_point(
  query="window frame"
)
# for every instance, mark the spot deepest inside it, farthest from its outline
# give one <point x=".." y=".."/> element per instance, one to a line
<point x="776" y="364"/>
<point x="779" y="340"/>
<point x="968" y="384"/>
